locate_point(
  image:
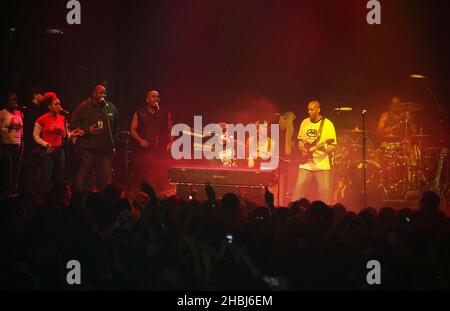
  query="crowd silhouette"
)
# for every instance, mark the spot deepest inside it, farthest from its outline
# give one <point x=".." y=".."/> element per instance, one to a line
<point x="166" y="244"/>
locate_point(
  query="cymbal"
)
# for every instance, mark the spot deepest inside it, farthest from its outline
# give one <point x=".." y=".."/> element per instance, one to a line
<point x="354" y="131"/>
<point x="420" y="136"/>
<point x="391" y="137"/>
<point x="409" y="106"/>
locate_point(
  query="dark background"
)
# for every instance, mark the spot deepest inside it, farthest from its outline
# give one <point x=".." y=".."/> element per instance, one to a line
<point x="233" y="60"/>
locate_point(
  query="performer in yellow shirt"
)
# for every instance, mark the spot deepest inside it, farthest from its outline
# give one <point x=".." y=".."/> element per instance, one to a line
<point x="317" y="140"/>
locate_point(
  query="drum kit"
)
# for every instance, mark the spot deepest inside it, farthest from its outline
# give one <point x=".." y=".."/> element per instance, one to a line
<point x="398" y="169"/>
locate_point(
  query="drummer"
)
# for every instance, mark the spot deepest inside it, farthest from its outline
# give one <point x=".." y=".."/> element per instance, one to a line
<point x="391" y="122"/>
<point x="398" y="155"/>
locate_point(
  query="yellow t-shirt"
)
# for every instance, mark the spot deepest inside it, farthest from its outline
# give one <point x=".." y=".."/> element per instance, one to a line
<point x="308" y="133"/>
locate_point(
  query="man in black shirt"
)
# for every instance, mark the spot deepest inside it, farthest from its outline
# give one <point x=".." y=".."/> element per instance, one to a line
<point x="32" y="160"/>
<point x="98" y="118"/>
<point x="150" y="128"/>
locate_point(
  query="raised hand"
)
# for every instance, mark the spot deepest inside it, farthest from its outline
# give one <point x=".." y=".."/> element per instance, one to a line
<point x="269" y="198"/>
<point x="210" y="193"/>
<point x="148" y="189"/>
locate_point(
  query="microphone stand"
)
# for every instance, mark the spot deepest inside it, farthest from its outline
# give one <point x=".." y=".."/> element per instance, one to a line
<point x="69" y="148"/>
<point x="438" y="104"/>
<point x="109" y="129"/>
<point x="364" y="164"/>
<point x="405" y="150"/>
<point x="279" y="177"/>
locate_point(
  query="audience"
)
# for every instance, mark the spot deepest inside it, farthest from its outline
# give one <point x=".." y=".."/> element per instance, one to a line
<point x="146" y="243"/>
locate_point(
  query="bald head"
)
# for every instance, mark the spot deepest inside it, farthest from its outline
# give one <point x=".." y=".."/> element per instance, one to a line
<point x="99" y="93"/>
<point x="396" y="100"/>
<point x="395" y="106"/>
<point x="314" y="110"/>
<point x="153" y="98"/>
<point x="314" y="103"/>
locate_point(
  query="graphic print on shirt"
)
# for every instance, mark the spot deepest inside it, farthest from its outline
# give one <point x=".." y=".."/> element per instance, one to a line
<point x="311" y="133"/>
<point x="15" y="124"/>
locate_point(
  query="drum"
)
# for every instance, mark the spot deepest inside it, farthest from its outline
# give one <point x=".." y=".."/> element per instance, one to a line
<point x="389" y="151"/>
<point x="347" y="171"/>
<point x="348" y="186"/>
<point x="400" y="165"/>
<point x="349" y="150"/>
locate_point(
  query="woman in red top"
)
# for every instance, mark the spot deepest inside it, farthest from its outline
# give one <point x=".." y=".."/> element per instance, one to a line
<point x="50" y="132"/>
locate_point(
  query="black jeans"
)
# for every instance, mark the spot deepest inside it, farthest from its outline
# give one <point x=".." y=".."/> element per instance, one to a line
<point x="94" y="169"/>
<point x="11" y="162"/>
<point x="53" y="165"/>
<point x="32" y="169"/>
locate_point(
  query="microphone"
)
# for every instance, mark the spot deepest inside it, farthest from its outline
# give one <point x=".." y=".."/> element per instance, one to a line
<point x="417" y="76"/>
<point x="65" y="111"/>
<point x="343" y="109"/>
<point x="103" y="101"/>
<point x="157" y="106"/>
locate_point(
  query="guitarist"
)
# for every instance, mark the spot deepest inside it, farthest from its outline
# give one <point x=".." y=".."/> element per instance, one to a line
<point x="317" y="140"/>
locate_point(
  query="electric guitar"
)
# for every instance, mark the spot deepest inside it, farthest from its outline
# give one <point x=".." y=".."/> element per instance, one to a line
<point x="311" y="148"/>
<point x="435" y="186"/>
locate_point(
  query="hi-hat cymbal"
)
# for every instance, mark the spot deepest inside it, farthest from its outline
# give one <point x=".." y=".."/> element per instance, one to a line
<point x="408" y="106"/>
